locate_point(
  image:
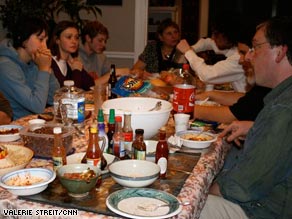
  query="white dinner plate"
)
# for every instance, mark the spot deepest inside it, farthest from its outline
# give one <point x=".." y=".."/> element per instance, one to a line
<point x="77" y="157"/>
<point x="9" y="137"/>
<point x="125" y="202"/>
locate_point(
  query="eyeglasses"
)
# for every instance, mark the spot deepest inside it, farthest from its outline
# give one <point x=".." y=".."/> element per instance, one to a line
<point x="255" y="46"/>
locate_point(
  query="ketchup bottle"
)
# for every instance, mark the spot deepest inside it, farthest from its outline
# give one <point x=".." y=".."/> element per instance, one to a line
<point x="161" y="155"/>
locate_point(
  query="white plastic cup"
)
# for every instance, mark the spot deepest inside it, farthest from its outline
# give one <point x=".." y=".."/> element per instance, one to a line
<point x="181" y="121"/>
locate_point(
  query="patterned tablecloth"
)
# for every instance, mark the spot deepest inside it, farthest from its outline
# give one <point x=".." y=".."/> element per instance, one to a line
<point x="194" y="190"/>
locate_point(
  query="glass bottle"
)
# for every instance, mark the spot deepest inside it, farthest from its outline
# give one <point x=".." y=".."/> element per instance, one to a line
<point x="112" y="82"/>
<point x="93" y="153"/>
<point x="161" y="155"/>
<point x="139" y="146"/>
<point x="101" y="130"/>
<point x="58" y="151"/>
<point x="111" y="131"/>
<point x="119" y="149"/>
<point x="128" y="132"/>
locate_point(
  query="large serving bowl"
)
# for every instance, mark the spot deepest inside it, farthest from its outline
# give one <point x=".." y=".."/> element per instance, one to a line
<point x="27" y="181"/>
<point x="17" y="158"/>
<point x="78" y="187"/>
<point x="196" y="139"/>
<point x="134" y="173"/>
<point x="150" y="121"/>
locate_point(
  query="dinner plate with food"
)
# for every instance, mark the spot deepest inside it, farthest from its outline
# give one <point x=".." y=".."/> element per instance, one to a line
<point x="9" y="133"/>
<point x="13" y="157"/>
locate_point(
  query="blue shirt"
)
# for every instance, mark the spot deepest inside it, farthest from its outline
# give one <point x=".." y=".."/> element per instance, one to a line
<point x="259" y="177"/>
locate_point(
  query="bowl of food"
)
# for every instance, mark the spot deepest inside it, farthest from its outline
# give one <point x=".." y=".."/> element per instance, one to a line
<point x="134" y="173"/>
<point x="13" y="157"/>
<point x="27" y="181"/>
<point x="196" y="139"/>
<point x="78" y="179"/>
<point x="142" y="117"/>
<point x="206" y="103"/>
<point x="9" y="132"/>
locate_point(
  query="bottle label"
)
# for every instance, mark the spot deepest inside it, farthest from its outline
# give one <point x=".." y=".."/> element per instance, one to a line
<point x="57" y="162"/>
<point x="94" y="162"/>
<point x="128" y="136"/>
<point x="140" y="155"/>
<point x="162" y="162"/>
<point x="75" y="108"/>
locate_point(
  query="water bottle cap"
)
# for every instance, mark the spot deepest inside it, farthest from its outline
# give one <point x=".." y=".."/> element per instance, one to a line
<point x="69" y="83"/>
<point x="57" y="130"/>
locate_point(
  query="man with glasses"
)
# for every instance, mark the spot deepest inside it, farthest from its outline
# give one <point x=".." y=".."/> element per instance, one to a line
<point x="257" y="183"/>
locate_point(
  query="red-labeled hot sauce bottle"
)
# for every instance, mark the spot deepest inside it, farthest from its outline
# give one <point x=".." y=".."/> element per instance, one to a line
<point x="161" y="155"/>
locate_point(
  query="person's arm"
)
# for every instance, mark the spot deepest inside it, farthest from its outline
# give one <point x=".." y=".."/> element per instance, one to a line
<point x="223" y="98"/>
<point x="215" y="189"/>
<point x="5" y="111"/>
<point x="220" y="114"/>
<point x="224" y="71"/>
<point x="31" y="98"/>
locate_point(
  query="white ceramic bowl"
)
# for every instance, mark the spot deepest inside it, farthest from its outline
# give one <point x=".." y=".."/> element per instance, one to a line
<point x="150" y="121"/>
<point x="134" y="173"/>
<point x="197" y="144"/>
<point x="46" y="175"/>
<point x="17" y="158"/>
<point x="9" y="137"/>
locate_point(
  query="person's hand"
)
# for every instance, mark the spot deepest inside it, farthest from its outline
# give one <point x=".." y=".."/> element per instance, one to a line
<point x="75" y="64"/>
<point x="43" y="59"/>
<point x="123" y="71"/>
<point x="183" y="46"/>
<point x="236" y="131"/>
<point x="204" y="95"/>
<point x="139" y="73"/>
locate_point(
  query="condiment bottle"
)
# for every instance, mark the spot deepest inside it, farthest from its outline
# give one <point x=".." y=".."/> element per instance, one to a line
<point x="128" y="132"/>
<point x="139" y="146"/>
<point x="58" y="151"/>
<point x="101" y="129"/>
<point x="112" y="82"/>
<point x="111" y="131"/>
<point x="119" y="149"/>
<point x="93" y="153"/>
<point x="161" y="155"/>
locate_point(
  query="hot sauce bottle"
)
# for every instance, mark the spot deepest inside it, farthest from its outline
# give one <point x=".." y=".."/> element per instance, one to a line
<point x="161" y="155"/>
<point x="139" y="146"/>
<point x="58" y="151"/>
<point x="119" y="149"/>
<point x="93" y="153"/>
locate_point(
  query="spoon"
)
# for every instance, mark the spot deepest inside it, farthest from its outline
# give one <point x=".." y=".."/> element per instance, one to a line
<point x="87" y="174"/>
<point x="154" y="207"/>
<point x="157" y="106"/>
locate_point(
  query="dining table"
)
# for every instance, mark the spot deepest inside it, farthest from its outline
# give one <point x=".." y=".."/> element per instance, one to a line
<point x="193" y="189"/>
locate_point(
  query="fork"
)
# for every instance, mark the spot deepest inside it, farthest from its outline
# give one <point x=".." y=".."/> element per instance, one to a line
<point x="154" y="207"/>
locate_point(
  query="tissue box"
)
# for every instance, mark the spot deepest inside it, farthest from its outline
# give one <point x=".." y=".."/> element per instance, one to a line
<point x="40" y="139"/>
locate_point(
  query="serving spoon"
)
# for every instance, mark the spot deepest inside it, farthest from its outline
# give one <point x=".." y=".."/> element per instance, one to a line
<point x="157" y="106"/>
<point x="154" y="207"/>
